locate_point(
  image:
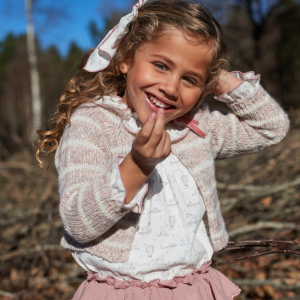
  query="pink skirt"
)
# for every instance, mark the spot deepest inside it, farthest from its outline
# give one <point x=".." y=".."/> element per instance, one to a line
<point x="204" y="283"/>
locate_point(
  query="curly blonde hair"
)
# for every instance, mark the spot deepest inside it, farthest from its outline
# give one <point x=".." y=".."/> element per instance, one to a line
<point x="153" y="20"/>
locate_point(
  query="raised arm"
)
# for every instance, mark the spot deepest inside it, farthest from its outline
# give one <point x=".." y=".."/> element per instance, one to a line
<point x="254" y="122"/>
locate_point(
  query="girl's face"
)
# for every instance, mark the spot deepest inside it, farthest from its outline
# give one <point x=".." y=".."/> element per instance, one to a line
<point x="168" y="73"/>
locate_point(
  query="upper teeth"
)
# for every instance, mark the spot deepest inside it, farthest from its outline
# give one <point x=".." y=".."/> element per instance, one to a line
<point x="159" y="103"/>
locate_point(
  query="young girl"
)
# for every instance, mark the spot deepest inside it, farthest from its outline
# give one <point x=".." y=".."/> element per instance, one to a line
<point x="136" y="154"/>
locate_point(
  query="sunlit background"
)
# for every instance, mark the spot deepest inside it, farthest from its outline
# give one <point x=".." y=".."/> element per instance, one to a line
<point x="263" y="36"/>
<point x="259" y="193"/>
<point x="59" y="23"/>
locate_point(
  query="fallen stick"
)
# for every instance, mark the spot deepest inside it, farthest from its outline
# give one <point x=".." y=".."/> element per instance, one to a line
<point x="256" y="254"/>
<point x="274" y="190"/>
<point x="294" y="242"/>
<point x="26" y="251"/>
<point x="260" y="190"/>
<point x="261" y="225"/>
<point x="12" y="295"/>
<point x="259" y="282"/>
<point x="18" y="165"/>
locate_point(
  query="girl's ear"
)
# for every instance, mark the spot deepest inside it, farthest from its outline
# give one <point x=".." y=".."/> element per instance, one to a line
<point x="123" y="68"/>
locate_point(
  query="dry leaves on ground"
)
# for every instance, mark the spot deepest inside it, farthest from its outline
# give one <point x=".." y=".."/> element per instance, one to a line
<point x="260" y="198"/>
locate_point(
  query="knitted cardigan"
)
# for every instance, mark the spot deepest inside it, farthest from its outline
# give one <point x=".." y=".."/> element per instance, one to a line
<point x="96" y="222"/>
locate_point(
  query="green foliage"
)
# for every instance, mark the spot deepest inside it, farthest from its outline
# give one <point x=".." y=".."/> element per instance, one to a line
<point x="289" y="45"/>
<point x="97" y="34"/>
<point x="54" y="70"/>
<point x="7" y="52"/>
<point x="278" y="45"/>
<point x="269" y="46"/>
<point x="74" y="55"/>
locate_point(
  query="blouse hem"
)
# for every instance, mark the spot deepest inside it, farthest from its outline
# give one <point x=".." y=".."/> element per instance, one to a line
<point x="202" y="283"/>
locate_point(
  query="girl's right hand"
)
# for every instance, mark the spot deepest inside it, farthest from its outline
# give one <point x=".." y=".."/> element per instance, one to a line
<point x="226" y="82"/>
<point x="152" y="144"/>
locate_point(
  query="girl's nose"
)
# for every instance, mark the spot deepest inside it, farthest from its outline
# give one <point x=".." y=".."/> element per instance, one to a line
<point x="169" y="87"/>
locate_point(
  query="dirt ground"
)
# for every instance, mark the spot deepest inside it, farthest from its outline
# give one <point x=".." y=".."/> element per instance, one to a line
<point x="260" y="198"/>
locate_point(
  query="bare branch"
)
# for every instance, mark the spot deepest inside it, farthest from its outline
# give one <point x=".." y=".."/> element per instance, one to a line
<point x="256" y="254"/>
<point x="252" y="242"/>
<point x="257" y="243"/>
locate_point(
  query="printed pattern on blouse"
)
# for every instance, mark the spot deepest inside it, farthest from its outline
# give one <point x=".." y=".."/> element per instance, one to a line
<point x="171" y="239"/>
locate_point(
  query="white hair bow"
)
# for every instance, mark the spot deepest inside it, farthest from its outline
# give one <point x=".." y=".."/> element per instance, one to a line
<point x="102" y="55"/>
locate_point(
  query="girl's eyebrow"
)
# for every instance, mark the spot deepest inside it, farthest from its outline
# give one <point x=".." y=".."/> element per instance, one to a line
<point x="168" y="60"/>
<point x="173" y="64"/>
<point x="196" y="75"/>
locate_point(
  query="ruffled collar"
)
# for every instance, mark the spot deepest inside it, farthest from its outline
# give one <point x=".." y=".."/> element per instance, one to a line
<point x="131" y="122"/>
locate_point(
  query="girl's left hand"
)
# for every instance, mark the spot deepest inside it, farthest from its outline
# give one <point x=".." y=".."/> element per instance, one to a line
<point x="226" y="82"/>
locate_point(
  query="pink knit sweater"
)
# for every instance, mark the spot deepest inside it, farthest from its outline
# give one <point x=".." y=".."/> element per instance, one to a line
<point x="96" y="222"/>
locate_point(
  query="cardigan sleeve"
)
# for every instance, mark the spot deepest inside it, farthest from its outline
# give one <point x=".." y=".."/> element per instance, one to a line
<point x="254" y="122"/>
<point x="91" y="189"/>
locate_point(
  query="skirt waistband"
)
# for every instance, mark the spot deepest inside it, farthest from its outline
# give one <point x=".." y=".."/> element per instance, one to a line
<point x="171" y="283"/>
<point x="203" y="283"/>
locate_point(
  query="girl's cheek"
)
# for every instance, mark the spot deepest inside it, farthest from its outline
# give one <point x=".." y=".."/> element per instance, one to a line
<point x="148" y="77"/>
<point x="145" y="72"/>
<point x="191" y="100"/>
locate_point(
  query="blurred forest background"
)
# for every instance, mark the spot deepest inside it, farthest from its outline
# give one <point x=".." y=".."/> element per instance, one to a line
<point x="260" y="193"/>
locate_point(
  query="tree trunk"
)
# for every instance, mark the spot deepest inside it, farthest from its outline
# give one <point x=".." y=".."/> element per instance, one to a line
<point x="34" y="75"/>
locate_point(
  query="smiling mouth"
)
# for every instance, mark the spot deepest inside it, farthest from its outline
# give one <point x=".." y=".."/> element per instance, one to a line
<point x="159" y="103"/>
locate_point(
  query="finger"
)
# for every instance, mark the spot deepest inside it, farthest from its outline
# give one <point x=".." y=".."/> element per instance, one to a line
<point x="167" y="146"/>
<point x="158" y="129"/>
<point x="145" y="133"/>
<point x="161" y="145"/>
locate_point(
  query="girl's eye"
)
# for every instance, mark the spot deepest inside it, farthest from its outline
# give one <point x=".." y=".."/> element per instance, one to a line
<point x="190" y="80"/>
<point x="161" y="66"/>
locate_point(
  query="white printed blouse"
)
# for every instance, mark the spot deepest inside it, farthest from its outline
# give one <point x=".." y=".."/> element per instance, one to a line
<point x="171" y="239"/>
